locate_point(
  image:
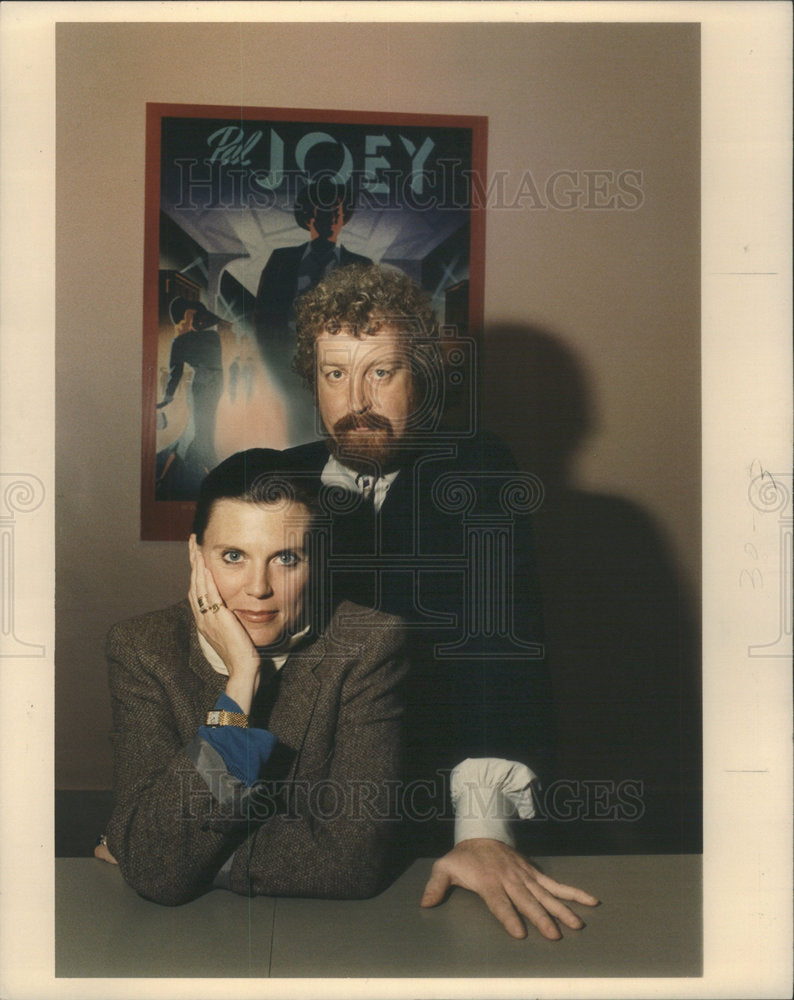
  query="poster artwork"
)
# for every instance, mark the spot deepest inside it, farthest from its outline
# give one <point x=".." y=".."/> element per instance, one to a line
<point x="245" y="210"/>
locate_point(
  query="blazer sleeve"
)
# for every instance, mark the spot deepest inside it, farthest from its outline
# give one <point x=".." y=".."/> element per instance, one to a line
<point x="333" y="837"/>
<point x="173" y="824"/>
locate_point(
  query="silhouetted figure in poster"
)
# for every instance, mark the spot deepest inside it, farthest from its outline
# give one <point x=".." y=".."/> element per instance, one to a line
<point x="182" y="466"/>
<point x="322" y="208"/>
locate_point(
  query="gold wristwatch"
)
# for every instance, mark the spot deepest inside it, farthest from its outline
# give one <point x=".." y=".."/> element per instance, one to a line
<point x="220" y="717"/>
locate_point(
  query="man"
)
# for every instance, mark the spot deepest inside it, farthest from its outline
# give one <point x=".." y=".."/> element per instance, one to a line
<point x="322" y="208"/>
<point x="434" y="528"/>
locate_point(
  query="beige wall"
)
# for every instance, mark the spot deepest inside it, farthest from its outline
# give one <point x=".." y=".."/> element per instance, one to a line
<point x="618" y="291"/>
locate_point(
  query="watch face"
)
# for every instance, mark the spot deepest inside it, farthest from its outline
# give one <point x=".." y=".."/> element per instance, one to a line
<point x="220" y="717"/>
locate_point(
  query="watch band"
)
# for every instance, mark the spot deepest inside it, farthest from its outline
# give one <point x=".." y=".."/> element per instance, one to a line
<point x="220" y="717"/>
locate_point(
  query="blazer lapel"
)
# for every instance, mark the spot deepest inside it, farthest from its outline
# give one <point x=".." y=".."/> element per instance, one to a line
<point x="298" y="691"/>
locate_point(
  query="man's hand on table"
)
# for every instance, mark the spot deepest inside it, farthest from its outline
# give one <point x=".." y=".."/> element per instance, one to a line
<point x="510" y="886"/>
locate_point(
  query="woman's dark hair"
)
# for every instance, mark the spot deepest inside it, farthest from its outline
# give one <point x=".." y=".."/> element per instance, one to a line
<point x="259" y="475"/>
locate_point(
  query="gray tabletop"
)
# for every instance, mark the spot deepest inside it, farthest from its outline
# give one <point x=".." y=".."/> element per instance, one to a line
<point x="648" y="924"/>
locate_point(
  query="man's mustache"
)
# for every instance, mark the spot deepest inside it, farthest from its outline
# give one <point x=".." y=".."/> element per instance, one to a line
<point x="365" y="421"/>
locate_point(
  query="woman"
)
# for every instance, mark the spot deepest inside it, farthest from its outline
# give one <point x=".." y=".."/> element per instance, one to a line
<point x="239" y="683"/>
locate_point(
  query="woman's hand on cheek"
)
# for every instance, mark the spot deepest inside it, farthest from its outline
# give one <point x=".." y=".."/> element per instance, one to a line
<point x="219" y="626"/>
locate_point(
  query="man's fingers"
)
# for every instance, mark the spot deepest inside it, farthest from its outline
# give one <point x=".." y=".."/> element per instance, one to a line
<point x="498" y="902"/>
<point x="514" y="891"/>
<point x="547" y="899"/>
<point x="437" y="886"/>
<point x="543" y="910"/>
<point x="562" y="891"/>
<point x="558" y="910"/>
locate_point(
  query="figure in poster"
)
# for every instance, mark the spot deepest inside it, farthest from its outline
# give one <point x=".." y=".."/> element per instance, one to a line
<point x="322" y="208"/>
<point x="197" y="344"/>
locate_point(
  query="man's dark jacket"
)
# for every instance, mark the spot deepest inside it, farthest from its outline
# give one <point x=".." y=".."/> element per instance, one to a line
<point x="278" y="286"/>
<point x="451" y="553"/>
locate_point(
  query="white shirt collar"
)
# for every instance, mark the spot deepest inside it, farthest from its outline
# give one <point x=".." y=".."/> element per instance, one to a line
<point x="279" y="660"/>
<point x="336" y="474"/>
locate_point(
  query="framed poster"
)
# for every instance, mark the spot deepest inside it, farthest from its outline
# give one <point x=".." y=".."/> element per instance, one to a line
<point x="246" y="208"/>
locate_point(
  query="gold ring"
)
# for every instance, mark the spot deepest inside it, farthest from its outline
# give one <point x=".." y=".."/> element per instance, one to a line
<point x="214" y="608"/>
<point x="203" y="611"/>
<point x="201" y="602"/>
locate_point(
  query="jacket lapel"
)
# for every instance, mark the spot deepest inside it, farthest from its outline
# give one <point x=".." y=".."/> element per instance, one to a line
<point x="298" y="691"/>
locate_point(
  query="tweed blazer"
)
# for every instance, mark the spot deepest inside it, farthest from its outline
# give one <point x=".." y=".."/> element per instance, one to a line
<point x="320" y="827"/>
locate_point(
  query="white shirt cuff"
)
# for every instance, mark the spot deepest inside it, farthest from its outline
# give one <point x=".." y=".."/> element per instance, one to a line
<point x="487" y="793"/>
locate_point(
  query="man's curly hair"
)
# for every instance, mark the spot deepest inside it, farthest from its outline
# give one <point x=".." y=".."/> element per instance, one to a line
<point x="363" y="298"/>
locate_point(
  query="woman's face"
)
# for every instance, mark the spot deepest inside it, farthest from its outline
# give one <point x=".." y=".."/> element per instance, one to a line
<point x="257" y="556"/>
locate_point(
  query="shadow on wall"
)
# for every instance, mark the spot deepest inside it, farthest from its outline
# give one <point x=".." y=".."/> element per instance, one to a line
<point x="622" y="634"/>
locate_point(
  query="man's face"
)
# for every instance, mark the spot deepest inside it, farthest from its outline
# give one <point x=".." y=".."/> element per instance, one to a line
<point x="365" y="395"/>
<point x="327" y="223"/>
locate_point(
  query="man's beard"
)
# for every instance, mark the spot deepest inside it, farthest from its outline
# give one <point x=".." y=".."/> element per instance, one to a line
<point x="374" y="451"/>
